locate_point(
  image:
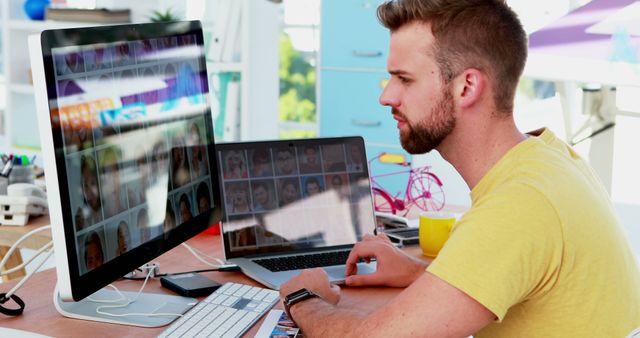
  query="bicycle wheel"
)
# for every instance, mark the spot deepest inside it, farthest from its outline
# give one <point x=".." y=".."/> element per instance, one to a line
<point x="425" y="191"/>
<point x="382" y="201"/>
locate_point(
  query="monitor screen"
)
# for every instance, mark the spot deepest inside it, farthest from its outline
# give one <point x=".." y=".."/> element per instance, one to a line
<point x="283" y="196"/>
<point x="132" y="137"/>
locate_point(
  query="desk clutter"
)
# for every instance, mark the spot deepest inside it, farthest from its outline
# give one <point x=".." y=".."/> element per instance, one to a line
<point x="17" y="169"/>
<point x="19" y="196"/>
<point x="22" y="201"/>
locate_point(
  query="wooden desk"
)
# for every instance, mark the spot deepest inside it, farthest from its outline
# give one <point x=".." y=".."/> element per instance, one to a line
<point x="41" y="316"/>
<point x="11" y="234"/>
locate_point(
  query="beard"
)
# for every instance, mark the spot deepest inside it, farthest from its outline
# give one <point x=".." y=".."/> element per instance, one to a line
<point x="428" y="133"/>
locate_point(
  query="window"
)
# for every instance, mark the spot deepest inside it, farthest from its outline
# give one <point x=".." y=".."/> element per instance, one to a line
<point x="299" y="45"/>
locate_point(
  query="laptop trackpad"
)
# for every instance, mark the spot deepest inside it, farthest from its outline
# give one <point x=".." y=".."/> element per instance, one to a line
<point x="336" y="273"/>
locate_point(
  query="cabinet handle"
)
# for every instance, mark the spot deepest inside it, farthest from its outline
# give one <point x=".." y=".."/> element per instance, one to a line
<point x="366" y="123"/>
<point x="365" y="54"/>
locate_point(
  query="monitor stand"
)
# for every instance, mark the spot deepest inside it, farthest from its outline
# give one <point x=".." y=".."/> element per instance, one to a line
<point x="146" y="310"/>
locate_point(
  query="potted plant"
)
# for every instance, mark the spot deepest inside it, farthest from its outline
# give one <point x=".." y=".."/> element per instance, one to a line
<point x="167" y="15"/>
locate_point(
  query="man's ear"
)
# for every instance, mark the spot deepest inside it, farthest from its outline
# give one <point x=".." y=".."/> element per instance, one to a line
<point x="469" y="87"/>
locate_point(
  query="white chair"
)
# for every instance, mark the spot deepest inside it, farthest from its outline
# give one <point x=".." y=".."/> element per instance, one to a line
<point x="635" y="333"/>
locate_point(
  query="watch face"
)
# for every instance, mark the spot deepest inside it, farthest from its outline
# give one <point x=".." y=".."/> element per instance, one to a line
<point x="298" y="296"/>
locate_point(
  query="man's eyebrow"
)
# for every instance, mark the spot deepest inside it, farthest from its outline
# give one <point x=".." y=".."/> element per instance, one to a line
<point x="398" y="72"/>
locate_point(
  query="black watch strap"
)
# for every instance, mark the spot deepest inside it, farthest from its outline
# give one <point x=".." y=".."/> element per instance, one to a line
<point x="294" y="298"/>
<point x="298" y="296"/>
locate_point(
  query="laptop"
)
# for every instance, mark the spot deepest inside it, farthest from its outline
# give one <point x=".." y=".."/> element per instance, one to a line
<point x="294" y="204"/>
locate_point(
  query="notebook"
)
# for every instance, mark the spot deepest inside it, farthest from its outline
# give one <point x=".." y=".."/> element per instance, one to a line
<point x="294" y="204"/>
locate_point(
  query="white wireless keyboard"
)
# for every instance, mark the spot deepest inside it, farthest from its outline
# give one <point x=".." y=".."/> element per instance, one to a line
<point x="228" y="312"/>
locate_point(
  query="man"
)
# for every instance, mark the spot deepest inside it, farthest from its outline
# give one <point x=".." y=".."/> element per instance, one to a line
<point x="312" y="187"/>
<point x="289" y="191"/>
<point x="90" y="211"/>
<point x="203" y="198"/>
<point x="137" y="187"/>
<point x="261" y="161"/>
<point x="539" y="254"/>
<point x="333" y="158"/>
<point x="179" y="165"/>
<point x="185" y="208"/>
<point x="286" y="162"/>
<point x="123" y="238"/>
<point x="263" y="199"/>
<point x="93" y="253"/>
<point x="310" y="161"/>
<point x="113" y="193"/>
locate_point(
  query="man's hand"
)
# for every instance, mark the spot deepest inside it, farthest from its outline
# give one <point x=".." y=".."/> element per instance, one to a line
<point x="394" y="267"/>
<point x="314" y="280"/>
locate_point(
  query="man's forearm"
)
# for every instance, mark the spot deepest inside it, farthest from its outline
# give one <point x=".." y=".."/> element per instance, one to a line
<point x="318" y="318"/>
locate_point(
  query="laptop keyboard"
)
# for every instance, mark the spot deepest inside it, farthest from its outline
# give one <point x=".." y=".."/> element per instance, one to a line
<point x="304" y="261"/>
<point x="228" y="312"/>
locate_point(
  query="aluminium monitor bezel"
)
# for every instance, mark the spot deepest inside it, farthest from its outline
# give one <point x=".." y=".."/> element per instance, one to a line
<point x="72" y="283"/>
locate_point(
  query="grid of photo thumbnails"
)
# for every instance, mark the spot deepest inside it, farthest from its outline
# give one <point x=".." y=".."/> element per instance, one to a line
<point x="119" y="173"/>
<point x="114" y="189"/>
<point x="261" y="181"/>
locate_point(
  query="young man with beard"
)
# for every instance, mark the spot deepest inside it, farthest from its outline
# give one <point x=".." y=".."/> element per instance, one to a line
<point x="539" y="254"/>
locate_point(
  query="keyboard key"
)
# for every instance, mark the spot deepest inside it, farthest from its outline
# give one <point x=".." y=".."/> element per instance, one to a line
<point x="232" y="289"/>
<point x="230" y="301"/>
<point x="263" y="293"/>
<point x="242" y="290"/>
<point x="271" y="297"/>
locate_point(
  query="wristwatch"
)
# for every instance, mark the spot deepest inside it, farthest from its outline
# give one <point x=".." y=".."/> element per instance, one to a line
<point x="296" y="297"/>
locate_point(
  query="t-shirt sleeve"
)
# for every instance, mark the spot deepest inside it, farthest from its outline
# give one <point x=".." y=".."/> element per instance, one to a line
<point x="504" y="250"/>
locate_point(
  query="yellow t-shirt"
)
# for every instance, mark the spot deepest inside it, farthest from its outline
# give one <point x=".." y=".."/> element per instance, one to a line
<point x="543" y="250"/>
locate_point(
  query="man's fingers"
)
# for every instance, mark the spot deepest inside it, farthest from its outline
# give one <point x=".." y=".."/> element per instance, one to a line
<point x="360" y="250"/>
<point x="383" y="237"/>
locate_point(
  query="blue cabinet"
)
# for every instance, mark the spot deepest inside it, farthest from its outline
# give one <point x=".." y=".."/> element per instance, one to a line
<point x="352" y="72"/>
<point x="349" y="106"/>
<point x="351" y="35"/>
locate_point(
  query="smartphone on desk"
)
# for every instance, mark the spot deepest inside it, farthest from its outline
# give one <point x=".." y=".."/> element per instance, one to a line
<point x="403" y="236"/>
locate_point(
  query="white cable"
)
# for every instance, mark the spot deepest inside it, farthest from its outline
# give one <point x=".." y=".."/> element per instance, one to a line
<point x="128" y="302"/>
<point x="198" y="254"/>
<point x="26" y="278"/>
<point x="21" y="266"/>
<point x="17" y="243"/>
<point x="122" y="297"/>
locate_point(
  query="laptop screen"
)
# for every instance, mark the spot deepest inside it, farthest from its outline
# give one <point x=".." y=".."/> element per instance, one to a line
<point x="294" y="195"/>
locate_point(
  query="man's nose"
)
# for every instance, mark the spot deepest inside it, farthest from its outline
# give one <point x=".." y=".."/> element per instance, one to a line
<point x="388" y="97"/>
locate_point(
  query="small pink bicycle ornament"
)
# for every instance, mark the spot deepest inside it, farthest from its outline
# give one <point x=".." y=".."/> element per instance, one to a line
<point x="424" y="188"/>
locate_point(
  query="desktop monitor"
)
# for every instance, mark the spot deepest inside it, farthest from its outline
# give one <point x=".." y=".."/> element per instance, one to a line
<point x="128" y="147"/>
